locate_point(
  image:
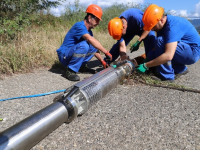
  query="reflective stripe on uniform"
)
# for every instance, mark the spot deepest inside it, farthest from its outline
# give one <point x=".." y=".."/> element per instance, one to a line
<point x="89" y="54"/>
<point x="83" y="55"/>
<point x="79" y="55"/>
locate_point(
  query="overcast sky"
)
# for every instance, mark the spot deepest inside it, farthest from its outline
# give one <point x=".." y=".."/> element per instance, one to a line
<point x="186" y="8"/>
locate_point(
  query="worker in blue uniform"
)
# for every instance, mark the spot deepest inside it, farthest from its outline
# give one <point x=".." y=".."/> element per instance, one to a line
<point x="178" y="44"/>
<point x="79" y="45"/>
<point x="125" y="28"/>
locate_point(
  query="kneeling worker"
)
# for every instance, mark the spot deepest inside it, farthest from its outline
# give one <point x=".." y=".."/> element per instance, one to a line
<point x="79" y="45"/>
<point x="125" y="28"/>
<point x="178" y="44"/>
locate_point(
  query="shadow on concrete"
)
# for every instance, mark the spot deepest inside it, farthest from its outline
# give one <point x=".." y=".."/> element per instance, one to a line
<point x="95" y="64"/>
<point x="58" y="68"/>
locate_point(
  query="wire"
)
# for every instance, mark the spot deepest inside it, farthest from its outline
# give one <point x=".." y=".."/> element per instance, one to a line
<point x="37" y="95"/>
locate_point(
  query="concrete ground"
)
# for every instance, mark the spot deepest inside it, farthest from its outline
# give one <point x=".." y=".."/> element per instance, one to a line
<point x="130" y="117"/>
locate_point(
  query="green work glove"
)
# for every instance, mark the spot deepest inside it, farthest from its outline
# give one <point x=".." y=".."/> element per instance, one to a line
<point x="135" y="46"/>
<point x="142" y="68"/>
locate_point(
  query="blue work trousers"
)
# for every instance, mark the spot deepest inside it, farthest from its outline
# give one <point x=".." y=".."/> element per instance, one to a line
<point x="149" y="43"/>
<point x="77" y="55"/>
<point x="184" y="55"/>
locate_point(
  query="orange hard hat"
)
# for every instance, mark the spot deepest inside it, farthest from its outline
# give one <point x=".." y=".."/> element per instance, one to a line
<point x="95" y="10"/>
<point x="151" y="16"/>
<point x="115" y="28"/>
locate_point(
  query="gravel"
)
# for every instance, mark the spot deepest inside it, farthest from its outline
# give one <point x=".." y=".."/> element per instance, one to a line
<point x="130" y="117"/>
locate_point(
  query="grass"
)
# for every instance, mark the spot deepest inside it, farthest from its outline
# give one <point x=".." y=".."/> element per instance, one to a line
<point x="36" y="47"/>
<point x="146" y="79"/>
<point x="33" y="48"/>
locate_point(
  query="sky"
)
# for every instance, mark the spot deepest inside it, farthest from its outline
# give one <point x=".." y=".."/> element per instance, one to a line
<point x="184" y="8"/>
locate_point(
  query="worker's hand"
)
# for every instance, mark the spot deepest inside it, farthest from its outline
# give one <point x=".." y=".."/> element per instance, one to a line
<point x="124" y="57"/>
<point x="142" y="68"/>
<point x="105" y="65"/>
<point x="135" y="46"/>
<point x="108" y="56"/>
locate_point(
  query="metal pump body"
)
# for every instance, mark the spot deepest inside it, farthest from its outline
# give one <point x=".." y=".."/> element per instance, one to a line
<point x="75" y="101"/>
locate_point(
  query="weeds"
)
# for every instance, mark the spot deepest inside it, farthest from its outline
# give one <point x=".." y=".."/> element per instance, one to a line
<point x="30" y="41"/>
<point x="146" y="79"/>
<point x="33" y="48"/>
<point x="36" y="47"/>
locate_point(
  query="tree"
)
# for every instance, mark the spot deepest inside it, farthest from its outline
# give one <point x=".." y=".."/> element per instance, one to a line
<point x="15" y="14"/>
<point x="11" y="8"/>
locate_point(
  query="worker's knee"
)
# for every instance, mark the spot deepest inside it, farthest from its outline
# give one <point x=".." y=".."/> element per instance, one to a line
<point x="192" y="60"/>
<point x="81" y="48"/>
<point x="92" y="49"/>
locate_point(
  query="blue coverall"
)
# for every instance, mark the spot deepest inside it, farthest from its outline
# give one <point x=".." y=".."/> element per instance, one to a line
<point x="76" y="51"/>
<point x="177" y="29"/>
<point x="133" y="17"/>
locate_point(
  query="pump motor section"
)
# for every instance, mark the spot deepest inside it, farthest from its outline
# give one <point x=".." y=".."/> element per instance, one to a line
<point x="80" y="97"/>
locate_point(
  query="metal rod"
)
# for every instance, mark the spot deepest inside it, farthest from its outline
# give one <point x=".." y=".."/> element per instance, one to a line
<point x="33" y="129"/>
<point x="75" y="101"/>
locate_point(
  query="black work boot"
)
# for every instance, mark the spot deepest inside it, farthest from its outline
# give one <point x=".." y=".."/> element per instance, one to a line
<point x="180" y="74"/>
<point x="157" y="77"/>
<point x="85" y="69"/>
<point x="71" y="75"/>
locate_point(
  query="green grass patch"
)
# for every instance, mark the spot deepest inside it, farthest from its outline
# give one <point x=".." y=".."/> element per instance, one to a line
<point x="146" y="79"/>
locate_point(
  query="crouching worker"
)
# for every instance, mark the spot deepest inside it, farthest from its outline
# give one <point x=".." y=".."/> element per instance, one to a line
<point x="79" y="45"/>
<point x="178" y="44"/>
<point x="125" y="28"/>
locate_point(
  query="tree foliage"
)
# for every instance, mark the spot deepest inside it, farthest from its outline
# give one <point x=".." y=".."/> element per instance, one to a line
<point x="73" y="13"/>
<point x="15" y="14"/>
<point x="11" y="8"/>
